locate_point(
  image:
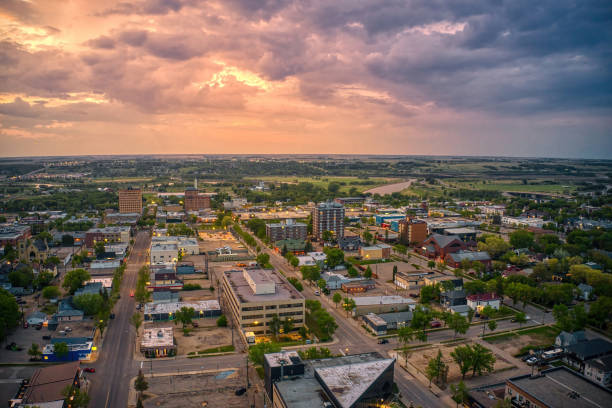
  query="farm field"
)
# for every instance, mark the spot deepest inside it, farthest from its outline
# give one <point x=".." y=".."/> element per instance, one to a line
<point x="346" y="183"/>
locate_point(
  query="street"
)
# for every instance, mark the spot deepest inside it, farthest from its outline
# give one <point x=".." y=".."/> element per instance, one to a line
<point x="114" y="368"/>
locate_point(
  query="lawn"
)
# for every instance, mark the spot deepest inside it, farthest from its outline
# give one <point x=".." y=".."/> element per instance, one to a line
<point x="514" y="185"/>
<point x="323" y="182"/>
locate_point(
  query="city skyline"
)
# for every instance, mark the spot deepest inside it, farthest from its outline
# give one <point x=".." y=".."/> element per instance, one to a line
<point x="281" y="77"/>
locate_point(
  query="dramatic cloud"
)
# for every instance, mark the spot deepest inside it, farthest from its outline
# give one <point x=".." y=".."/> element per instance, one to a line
<point x="507" y="77"/>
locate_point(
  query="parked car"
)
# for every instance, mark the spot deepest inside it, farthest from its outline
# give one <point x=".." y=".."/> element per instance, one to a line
<point x="317" y="293"/>
<point x="46" y="337"/>
<point x="195" y="324"/>
<point x="89" y="370"/>
<point x="532" y="360"/>
<point x="435" y="324"/>
<point x="38" y="326"/>
<point x="240" y="391"/>
<point x="112" y="315"/>
<point x="383" y="341"/>
<point x="67" y="329"/>
<point x="414" y="295"/>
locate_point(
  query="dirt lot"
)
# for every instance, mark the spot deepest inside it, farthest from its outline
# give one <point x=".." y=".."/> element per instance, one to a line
<point x="207" y="336"/>
<point x="514" y="343"/>
<point x="215" y="389"/>
<point x="420" y="358"/>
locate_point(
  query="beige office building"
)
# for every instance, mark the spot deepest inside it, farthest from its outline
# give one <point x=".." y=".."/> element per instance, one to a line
<point x="130" y="200"/>
<point x="254" y="296"/>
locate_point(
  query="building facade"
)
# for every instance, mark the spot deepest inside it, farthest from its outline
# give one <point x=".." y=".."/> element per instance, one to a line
<point x="255" y="296"/>
<point x="328" y="216"/>
<point x="107" y="235"/>
<point x="411" y="231"/>
<point x="286" y="230"/>
<point x="195" y="201"/>
<point x="130" y="200"/>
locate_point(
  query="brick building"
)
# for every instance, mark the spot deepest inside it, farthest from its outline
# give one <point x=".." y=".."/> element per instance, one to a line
<point x="195" y="201"/>
<point x="130" y="200"/>
<point x="411" y="231"/>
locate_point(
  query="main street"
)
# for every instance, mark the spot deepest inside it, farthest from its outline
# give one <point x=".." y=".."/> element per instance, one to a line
<point x="114" y="368"/>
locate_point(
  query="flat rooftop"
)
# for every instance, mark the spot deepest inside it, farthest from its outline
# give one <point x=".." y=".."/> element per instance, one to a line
<point x="163" y="247"/>
<point x="289" y="357"/>
<point x="160" y="337"/>
<point x="381" y="300"/>
<point x="302" y="393"/>
<point x="563" y="388"/>
<point x="173" y="307"/>
<point x="244" y="292"/>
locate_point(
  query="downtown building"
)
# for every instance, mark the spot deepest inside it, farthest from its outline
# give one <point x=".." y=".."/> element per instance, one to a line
<point x="254" y="296"/>
<point x="286" y="230"/>
<point x="130" y="201"/>
<point x="195" y="201"/>
<point x="328" y="216"/>
<point x="412" y="231"/>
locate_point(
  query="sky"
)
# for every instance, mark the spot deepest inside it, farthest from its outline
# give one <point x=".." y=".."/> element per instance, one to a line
<point x="433" y="77"/>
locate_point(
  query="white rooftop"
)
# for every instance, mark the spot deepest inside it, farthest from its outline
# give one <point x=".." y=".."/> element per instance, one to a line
<point x="157" y="337"/>
<point x="381" y="300"/>
<point x="201" y="305"/>
<point x="275" y="359"/>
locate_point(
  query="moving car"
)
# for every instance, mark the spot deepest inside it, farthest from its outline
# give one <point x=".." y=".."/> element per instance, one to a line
<point x="131" y="293"/>
<point x="89" y="370"/>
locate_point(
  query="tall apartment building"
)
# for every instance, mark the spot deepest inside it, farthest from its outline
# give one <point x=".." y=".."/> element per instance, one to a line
<point x="194" y="201"/>
<point x="412" y="231"/>
<point x="286" y="230"/>
<point x="254" y="296"/>
<point x="328" y="216"/>
<point x="130" y="200"/>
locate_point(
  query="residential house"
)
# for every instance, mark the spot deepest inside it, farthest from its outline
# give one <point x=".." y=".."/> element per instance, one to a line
<point x="350" y="243"/>
<point x="585" y="292"/>
<point x="599" y="370"/>
<point x="577" y="355"/>
<point x="479" y="301"/>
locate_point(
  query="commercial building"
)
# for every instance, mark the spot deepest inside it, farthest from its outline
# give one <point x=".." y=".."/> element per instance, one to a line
<point x="195" y="201"/>
<point x="381" y="304"/>
<point x="158" y="342"/>
<point x="358" y="286"/>
<point x="47" y="384"/>
<point x="14" y="234"/>
<point x="163" y="279"/>
<point x="107" y="235"/>
<point x="412" y="231"/>
<point x="350" y="200"/>
<point x="555" y="388"/>
<point x="328" y="216"/>
<point x="167" y="311"/>
<point x="286" y="230"/>
<point x="254" y="296"/>
<point x="351" y="381"/>
<point x="79" y="348"/>
<point x="185" y="245"/>
<point x="375" y="323"/>
<point x="161" y="253"/>
<point x="122" y="218"/>
<point x="438" y="246"/>
<point x="455" y="259"/>
<point x="130" y="200"/>
<point x="374" y="252"/>
<point x="380" y="323"/>
<point x="464" y="234"/>
<point x="410" y="280"/>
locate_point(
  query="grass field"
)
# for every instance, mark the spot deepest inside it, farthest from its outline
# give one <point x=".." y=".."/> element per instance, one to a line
<point x="511" y="185"/>
<point x="121" y="179"/>
<point x="346" y="182"/>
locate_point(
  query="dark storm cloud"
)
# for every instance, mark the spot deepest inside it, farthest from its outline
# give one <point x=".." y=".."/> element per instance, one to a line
<point x="102" y="42"/>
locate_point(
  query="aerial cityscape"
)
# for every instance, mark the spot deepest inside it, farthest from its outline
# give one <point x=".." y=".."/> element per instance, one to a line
<point x="305" y="204"/>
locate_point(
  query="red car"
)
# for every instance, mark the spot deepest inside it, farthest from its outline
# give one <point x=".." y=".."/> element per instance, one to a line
<point x="89" y="370"/>
<point x="435" y="324"/>
<point x="131" y="293"/>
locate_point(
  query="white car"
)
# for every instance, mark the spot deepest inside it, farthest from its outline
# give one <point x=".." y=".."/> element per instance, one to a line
<point x="532" y="360"/>
<point x="317" y="293"/>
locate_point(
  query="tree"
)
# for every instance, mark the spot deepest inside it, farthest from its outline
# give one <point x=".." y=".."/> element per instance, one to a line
<point x="335" y="256"/>
<point x="492" y="325"/>
<point x="89" y="303"/>
<point x="22" y="277"/>
<point x="139" y="403"/>
<point x="136" y="321"/>
<point x="263" y="259"/>
<point x="294" y="262"/>
<point x="337" y="298"/>
<point x="274" y="324"/>
<point x="184" y="315"/>
<point x="394" y="272"/>
<point x="429" y="293"/>
<point x="60" y="349"/>
<point x="459" y="392"/>
<point x="140" y="383"/>
<point x="570" y="320"/>
<point x="520" y="318"/>
<point x="405" y="335"/>
<point x="431" y="264"/>
<point x="327" y="236"/>
<point x="43" y="279"/>
<point x="75" y="397"/>
<point x="521" y="239"/>
<point x="35" y="351"/>
<point x="287" y="325"/>
<point x="321" y="283"/>
<point x="312" y="353"/>
<point x="368" y="273"/>
<point x="600" y="312"/>
<point x="257" y="351"/>
<point x="462" y="355"/>
<point x="74" y="279"/>
<point x="310" y="272"/>
<point x="51" y="292"/>
<point x="99" y="248"/>
<point x="67" y="240"/>
<point x="435" y="368"/>
<point x="458" y="323"/>
<point x="352" y="272"/>
<point x="348" y="305"/>
<point x="482" y="360"/>
<point x="470" y="315"/>
<point x="222" y="321"/>
<point x="9" y="313"/>
<point x="333" y="187"/>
